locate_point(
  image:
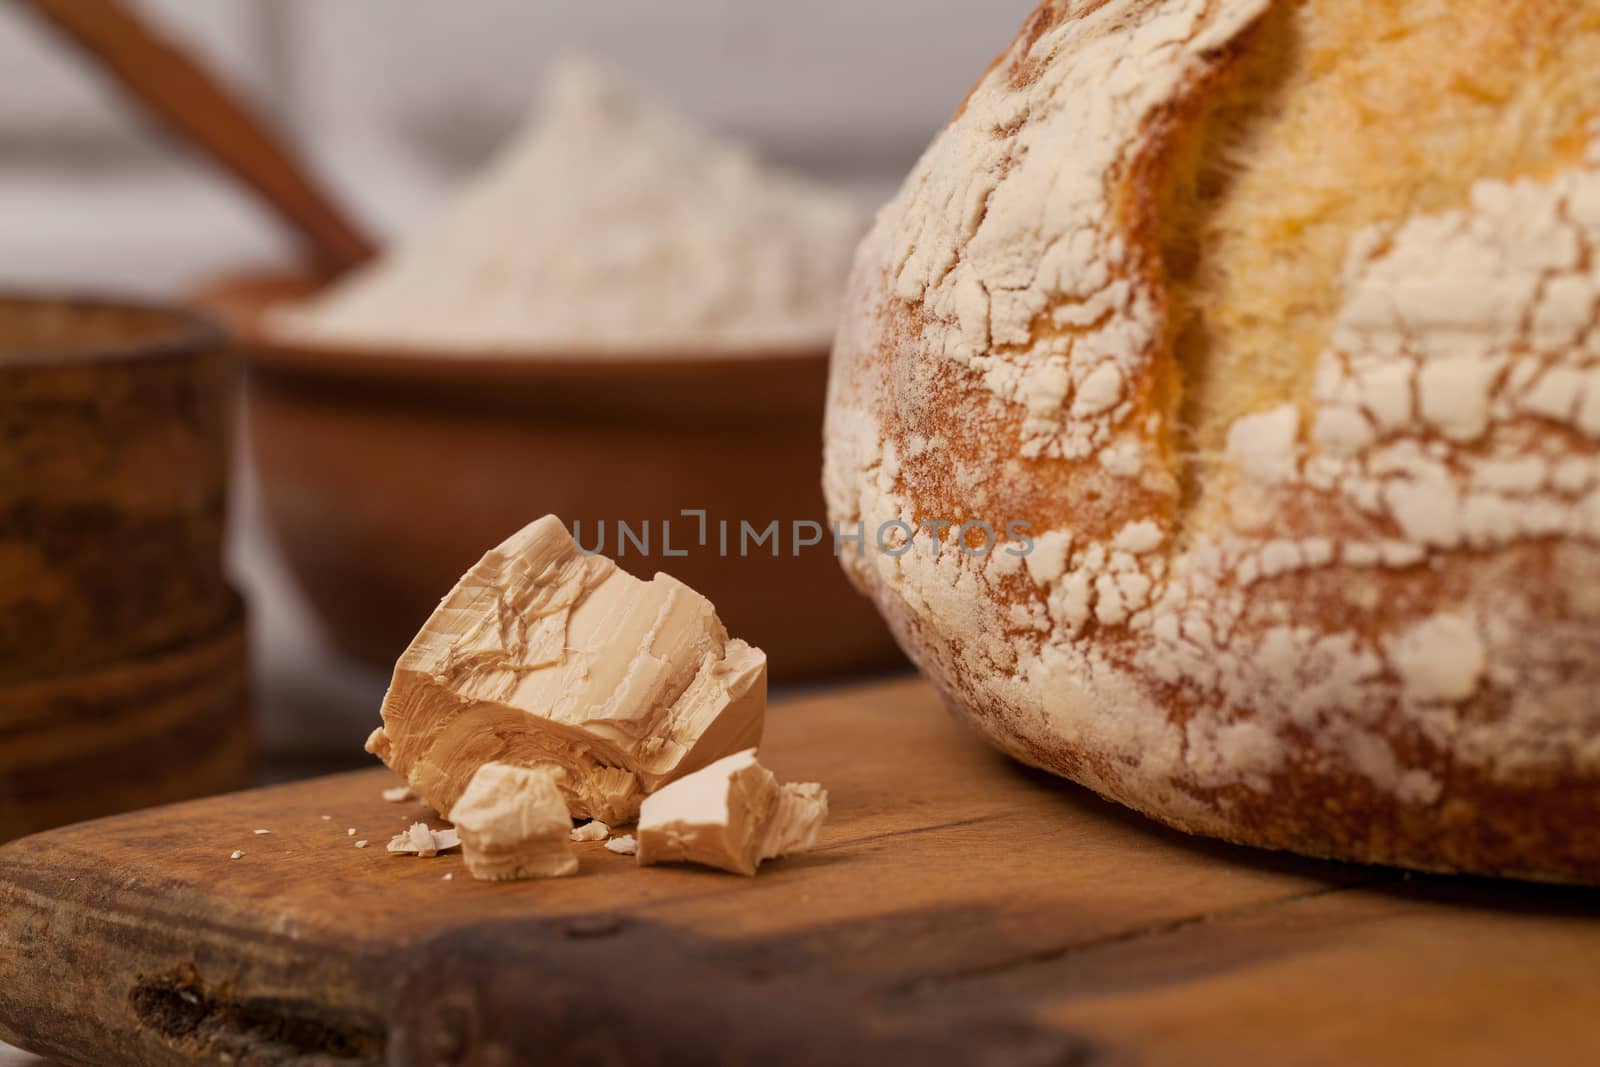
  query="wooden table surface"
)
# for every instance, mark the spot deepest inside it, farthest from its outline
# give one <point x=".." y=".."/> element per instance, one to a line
<point x="959" y="909"/>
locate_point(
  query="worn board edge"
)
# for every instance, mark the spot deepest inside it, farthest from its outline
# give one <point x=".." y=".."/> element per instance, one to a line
<point x="380" y="1003"/>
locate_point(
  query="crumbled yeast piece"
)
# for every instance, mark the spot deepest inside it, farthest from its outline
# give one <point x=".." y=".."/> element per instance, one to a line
<point x="514" y="824"/>
<point x="237" y="854"/>
<point x="732" y="815"/>
<point x="419" y="840"/>
<point x="625" y="845"/>
<point x="398" y="794"/>
<point x="544" y="655"/>
<point x="593" y="830"/>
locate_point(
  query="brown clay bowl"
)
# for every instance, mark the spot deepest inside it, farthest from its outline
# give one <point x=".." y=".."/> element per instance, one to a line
<point x="385" y="475"/>
<point x="114" y="432"/>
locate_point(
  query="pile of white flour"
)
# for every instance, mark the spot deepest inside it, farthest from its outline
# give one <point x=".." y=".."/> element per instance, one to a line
<point x="608" y="225"/>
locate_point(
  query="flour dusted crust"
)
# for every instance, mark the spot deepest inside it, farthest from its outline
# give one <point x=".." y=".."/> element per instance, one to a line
<point x="1362" y="620"/>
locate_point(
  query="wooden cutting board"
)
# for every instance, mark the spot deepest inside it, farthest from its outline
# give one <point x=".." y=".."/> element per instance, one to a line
<point x="960" y="910"/>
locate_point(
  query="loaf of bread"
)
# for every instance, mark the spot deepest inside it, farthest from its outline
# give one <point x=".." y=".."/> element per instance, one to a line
<point x="1272" y="331"/>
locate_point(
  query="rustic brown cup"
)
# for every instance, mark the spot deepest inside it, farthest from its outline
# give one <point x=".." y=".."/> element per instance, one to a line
<point x="114" y="422"/>
<point x="154" y="729"/>
<point x="123" y="666"/>
<point x="386" y="475"/>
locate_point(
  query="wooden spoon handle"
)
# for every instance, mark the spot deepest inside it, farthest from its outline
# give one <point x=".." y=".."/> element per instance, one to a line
<point x="194" y="104"/>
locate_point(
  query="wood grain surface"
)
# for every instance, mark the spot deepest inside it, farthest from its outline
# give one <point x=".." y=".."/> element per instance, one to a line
<point x="960" y="909"/>
<point x="123" y="679"/>
<point x="152" y="730"/>
<point x="114" y="428"/>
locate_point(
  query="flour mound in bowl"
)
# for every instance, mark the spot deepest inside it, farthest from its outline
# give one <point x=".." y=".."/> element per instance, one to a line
<point x="609" y="224"/>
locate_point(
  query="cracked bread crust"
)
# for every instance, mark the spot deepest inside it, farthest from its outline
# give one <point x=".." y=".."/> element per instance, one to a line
<point x="1352" y="613"/>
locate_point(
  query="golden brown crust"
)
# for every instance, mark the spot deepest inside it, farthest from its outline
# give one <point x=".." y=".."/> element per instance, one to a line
<point x="1371" y="636"/>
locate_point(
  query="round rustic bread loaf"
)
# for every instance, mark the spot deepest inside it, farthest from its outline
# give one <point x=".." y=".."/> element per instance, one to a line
<point x="1279" y="325"/>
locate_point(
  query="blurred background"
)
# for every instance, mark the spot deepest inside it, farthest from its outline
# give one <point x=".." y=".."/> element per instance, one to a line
<point x="391" y="103"/>
<point x="393" y="100"/>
